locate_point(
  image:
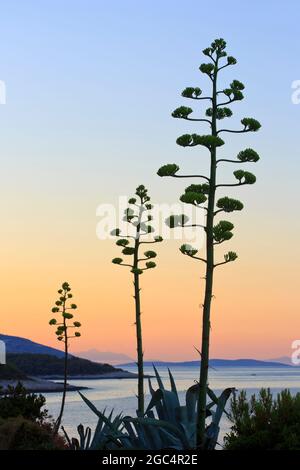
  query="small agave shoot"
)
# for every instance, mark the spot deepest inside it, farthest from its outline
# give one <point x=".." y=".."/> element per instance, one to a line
<point x="203" y="195"/>
<point x="139" y="217"/>
<point x="65" y="326"/>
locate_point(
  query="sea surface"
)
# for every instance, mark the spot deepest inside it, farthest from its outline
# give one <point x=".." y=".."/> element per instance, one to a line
<point x="119" y="395"/>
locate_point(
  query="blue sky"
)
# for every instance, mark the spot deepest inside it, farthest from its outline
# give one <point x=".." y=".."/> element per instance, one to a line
<point x="90" y="89"/>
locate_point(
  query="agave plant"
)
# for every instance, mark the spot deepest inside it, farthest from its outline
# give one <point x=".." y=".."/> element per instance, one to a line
<point x="166" y="424"/>
<point x="105" y="435"/>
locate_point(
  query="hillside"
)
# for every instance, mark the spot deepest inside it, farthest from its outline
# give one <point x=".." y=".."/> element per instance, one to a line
<point x="15" y="344"/>
<point x="41" y="365"/>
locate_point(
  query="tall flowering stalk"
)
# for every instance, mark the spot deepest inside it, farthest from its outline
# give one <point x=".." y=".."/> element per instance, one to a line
<point x="203" y="195"/>
<point x="64" y="331"/>
<point x="138" y="215"/>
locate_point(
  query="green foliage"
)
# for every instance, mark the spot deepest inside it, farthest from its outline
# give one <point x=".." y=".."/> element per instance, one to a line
<point x="188" y="250"/>
<point x="16" y="401"/>
<point x="117" y="260"/>
<point x="182" y="112"/>
<point x="251" y="124"/>
<point x="229" y="204"/>
<point x="150" y="265"/>
<point x="150" y="254"/>
<point x="167" y="424"/>
<point x="62" y="307"/>
<point x="230" y="256"/>
<point x="132" y="200"/>
<point x="207" y="68"/>
<point x="128" y="250"/>
<point x="23" y="434"/>
<point x="244" y="177"/>
<point x="192" y="197"/>
<point x="191" y="140"/>
<point x="198" y="188"/>
<point x="191" y="92"/>
<point x="264" y="422"/>
<point x="222" y="231"/>
<point x="122" y="242"/>
<point x="248" y="155"/>
<point x="158" y="239"/>
<point x="221" y="113"/>
<point x="168" y="170"/>
<point x="137" y="271"/>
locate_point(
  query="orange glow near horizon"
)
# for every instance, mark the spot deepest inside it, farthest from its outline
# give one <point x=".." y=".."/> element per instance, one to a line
<point x="253" y="313"/>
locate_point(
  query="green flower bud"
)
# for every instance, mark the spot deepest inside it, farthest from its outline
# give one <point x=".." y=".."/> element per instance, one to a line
<point x="248" y="155"/>
<point x="231" y="60"/>
<point x="188" y="250"/>
<point x="77" y="324"/>
<point x="67" y="316"/>
<point x="150" y="265"/>
<point x="122" y="242"/>
<point x="77" y="334"/>
<point x="182" y="112"/>
<point x="132" y="200"/>
<point x="55" y="310"/>
<point x="150" y="254"/>
<point x="117" y="261"/>
<point x="73" y="306"/>
<point x="136" y="271"/>
<point x="53" y="321"/>
<point x="128" y="250"/>
<point x="191" y="92"/>
<point x="193" y="198"/>
<point x="168" y="170"/>
<point x="229" y="204"/>
<point x="251" y="124"/>
<point x="158" y="239"/>
<point x="230" y="256"/>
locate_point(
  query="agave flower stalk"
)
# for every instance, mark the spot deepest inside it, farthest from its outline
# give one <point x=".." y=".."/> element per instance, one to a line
<point x="203" y="195"/>
<point x="64" y="332"/>
<point x="139" y="216"/>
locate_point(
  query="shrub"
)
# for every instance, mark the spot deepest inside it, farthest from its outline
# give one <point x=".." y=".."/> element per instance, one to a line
<point x="264" y="422"/>
<point x="22" y="434"/>
<point x="16" y="401"/>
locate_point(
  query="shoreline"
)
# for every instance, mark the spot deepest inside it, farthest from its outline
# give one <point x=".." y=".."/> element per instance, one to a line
<point x="48" y="384"/>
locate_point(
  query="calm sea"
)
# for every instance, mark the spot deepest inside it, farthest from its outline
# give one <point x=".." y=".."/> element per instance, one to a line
<point x="119" y="395"/>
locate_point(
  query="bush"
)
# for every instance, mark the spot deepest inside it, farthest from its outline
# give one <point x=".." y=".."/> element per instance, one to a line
<point x="16" y="401"/>
<point x="264" y="422"/>
<point x="23" y="434"/>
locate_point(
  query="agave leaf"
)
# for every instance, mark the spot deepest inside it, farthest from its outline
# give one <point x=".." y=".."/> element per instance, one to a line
<point x="173" y="384"/>
<point x="163" y="425"/>
<point x="158" y="378"/>
<point x="191" y="399"/>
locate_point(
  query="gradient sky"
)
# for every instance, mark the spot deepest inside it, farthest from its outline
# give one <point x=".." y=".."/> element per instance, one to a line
<point x="90" y="88"/>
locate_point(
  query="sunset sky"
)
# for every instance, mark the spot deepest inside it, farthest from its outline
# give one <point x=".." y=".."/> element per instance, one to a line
<point x="90" y="89"/>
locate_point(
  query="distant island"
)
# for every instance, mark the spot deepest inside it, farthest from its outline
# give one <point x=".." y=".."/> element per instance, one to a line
<point x="36" y="366"/>
<point x="213" y="363"/>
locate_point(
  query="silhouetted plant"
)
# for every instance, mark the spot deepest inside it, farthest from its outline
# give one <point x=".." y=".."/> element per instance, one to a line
<point x="65" y="331"/>
<point x="17" y="401"/>
<point x="138" y="215"/>
<point x="204" y="195"/>
<point x="264" y="422"/>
